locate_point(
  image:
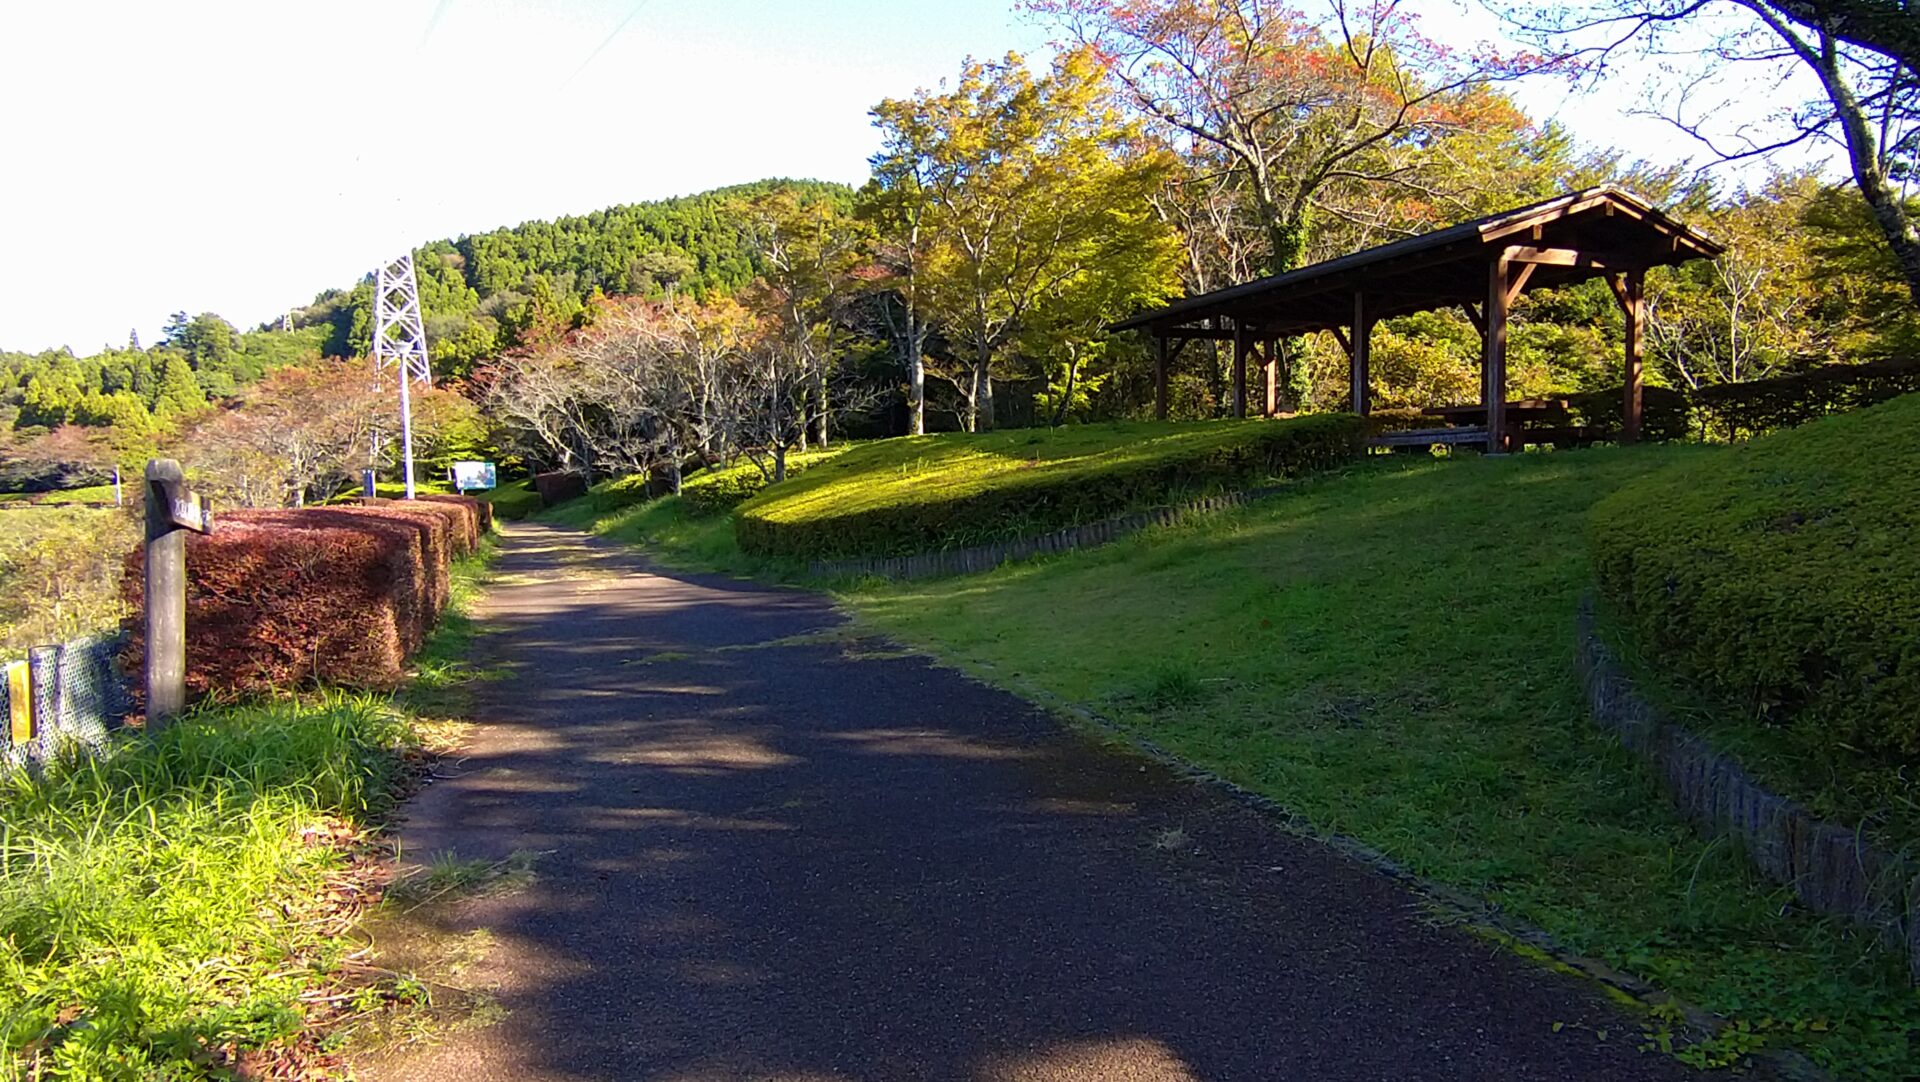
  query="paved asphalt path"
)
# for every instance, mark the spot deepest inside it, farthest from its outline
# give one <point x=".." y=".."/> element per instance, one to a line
<point x="769" y="856"/>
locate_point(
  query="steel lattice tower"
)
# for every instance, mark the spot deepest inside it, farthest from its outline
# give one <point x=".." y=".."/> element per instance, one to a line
<point x="400" y="340"/>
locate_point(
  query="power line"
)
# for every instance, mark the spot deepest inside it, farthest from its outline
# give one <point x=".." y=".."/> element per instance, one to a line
<point x="602" y="47"/>
<point x="433" y="21"/>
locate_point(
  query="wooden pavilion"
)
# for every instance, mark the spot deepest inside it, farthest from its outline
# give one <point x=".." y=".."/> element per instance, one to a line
<point x="1480" y="266"/>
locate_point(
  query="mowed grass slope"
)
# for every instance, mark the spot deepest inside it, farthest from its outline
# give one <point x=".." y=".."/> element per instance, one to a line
<point x="1389" y="653"/>
<point x="897" y="496"/>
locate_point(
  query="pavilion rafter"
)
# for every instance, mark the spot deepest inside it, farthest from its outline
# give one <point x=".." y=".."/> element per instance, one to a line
<point x="1481" y="267"/>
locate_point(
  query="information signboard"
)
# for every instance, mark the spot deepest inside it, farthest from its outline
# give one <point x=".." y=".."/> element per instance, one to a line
<point x="471" y="475"/>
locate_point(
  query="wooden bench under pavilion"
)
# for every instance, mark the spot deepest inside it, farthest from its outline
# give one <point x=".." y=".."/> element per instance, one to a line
<point x="1480" y="266"/>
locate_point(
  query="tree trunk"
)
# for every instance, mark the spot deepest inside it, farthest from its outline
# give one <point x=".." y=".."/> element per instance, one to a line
<point x="1066" y="393"/>
<point x="820" y="404"/>
<point x="1885" y="26"/>
<point x="1864" y="155"/>
<point x="982" y="406"/>
<point x="916" y="377"/>
<point x="779" y="462"/>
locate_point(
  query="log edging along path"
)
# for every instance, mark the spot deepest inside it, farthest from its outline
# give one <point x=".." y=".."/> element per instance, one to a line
<point x="1830" y="868"/>
<point x="977" y="558"/>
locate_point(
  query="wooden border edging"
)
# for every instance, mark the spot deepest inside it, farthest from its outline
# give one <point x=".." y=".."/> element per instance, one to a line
<point x="966" y="561"/>
<point x="1449" y="904"/>
<point x="1831" y="869"/>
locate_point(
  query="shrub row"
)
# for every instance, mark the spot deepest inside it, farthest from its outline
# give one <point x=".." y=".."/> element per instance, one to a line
<point x="716" y="491"/>
<point x="1665" y="413"/>
<point x="1783" y="576"/>
<point x="1004" y="493"/>
<point x="338" y="595"/>
<point x="1765" y="405"/>
<point x="559" y="486"/>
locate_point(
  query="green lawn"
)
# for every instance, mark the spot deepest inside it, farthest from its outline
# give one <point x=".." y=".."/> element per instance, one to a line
<point x="88" y="494"/>
<point x="1389" y="654"/>
<point x="898" y="496"/>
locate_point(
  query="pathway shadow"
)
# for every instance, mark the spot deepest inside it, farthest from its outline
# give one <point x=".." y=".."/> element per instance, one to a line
<point x="764" y="856"/>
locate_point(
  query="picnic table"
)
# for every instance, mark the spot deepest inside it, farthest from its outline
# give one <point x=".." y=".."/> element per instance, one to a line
<point x="1528" y="420"/>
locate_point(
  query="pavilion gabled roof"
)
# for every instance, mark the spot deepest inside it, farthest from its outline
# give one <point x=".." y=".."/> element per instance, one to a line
<point x="1568" y="239"/>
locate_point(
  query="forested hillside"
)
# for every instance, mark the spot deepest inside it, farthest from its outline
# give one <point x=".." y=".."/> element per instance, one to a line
<point x="480" y="295"/>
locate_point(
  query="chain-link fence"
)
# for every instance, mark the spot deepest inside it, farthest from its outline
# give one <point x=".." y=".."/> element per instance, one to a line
<point x="63" y="696"/>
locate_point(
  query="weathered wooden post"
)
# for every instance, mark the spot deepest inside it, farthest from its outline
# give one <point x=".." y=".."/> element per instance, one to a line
<point x="172" y="509"/>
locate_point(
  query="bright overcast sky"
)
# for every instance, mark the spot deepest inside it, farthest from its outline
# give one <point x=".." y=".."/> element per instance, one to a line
<point x="240" y="157"/>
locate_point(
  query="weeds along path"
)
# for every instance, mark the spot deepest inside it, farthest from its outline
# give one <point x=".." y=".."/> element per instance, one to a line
<point x="766" y="848"/>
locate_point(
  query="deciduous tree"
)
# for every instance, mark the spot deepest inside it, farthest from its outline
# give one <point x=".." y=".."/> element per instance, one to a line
<point x="1856" y="53"/>
<point x="808" y="250"/>
<point x="1283" y="116"/>
<point x="1026" y="181"/>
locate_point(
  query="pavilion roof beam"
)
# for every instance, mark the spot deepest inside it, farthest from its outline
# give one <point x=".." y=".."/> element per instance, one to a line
<point x="1555" y="242"/>
<point x="1573" y="257"/>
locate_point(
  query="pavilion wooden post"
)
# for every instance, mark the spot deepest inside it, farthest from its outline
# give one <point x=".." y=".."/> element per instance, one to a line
<point x="1493" y="364"/>
<point x="1359" y="351"/>
<point x="1272" y="372"/>
<point x="1630" y="289"/>
<point x="1242" y="345"/>
<point x="1160" y="377"/>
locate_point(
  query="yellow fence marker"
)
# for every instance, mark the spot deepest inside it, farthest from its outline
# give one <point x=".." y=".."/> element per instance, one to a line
<point x="20" y="701"/>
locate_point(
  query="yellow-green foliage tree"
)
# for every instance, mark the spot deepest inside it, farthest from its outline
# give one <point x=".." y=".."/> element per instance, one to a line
<point x="1031" y="188"/>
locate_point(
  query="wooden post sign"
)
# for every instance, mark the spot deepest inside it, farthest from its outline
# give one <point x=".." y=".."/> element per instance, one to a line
<point x="172" y="510"/>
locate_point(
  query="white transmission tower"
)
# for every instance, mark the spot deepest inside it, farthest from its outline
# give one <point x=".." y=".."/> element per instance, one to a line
<point x="399" y="339"/>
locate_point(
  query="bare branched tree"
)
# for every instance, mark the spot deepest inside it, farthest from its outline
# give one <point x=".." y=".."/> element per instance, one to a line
<point x="1868" y="106"/>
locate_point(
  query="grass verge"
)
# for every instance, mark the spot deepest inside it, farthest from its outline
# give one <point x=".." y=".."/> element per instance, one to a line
<point x="668" y="532"/>
<point x="1389" y="654"/>
<point x="86" y="494"/>
<point x="181" y="906"/>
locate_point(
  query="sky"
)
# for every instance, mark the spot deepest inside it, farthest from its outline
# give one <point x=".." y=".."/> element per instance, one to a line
<point x="241" y="157"/>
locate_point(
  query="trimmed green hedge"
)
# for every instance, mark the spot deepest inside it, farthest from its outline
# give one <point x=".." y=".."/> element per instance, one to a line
<point x="1765" y="405"/>
<point x="901" y="496"/>
<point x="1783" y="577"/>
<point x="718" y="490"/>
<point x="620" y="492"/>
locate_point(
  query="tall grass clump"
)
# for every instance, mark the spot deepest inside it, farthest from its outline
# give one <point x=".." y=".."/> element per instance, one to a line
<point x="160" y="903"/>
